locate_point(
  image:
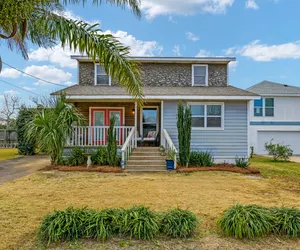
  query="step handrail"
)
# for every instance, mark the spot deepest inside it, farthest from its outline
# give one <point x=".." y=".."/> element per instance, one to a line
<point x="128" y="146"/>
<point x="168" y="143"/>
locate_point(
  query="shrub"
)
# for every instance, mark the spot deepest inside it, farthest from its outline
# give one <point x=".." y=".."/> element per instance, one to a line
<point x="102" y="225"/>
<point x="62" y="225"/>
<point x="101" y="156"/>
<point x="201" y="159"/>
<point x="25" y="115"/>
<point x="77" y="157"/>
<point x="178" y="223"/>
<point x="248" y="221"/>
<point x="112" y="143"/>
<point x="287" y="221"/>
<point x="278" y="151"/>
<point x="140" y="223"/>
<point x="242" y="162"/>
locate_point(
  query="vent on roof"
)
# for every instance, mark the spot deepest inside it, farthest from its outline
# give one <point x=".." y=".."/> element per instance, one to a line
<point x="285" y="85"/>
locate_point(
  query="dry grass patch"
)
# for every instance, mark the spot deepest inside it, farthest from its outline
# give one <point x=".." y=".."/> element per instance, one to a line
<point x="208" y="194"/>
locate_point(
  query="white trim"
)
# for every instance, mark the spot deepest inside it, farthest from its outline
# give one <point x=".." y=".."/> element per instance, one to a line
<point x="205" y="115"/>
<point x="141" y="119"/>
<point x="95" y="77"/>
<point x="161" y="97"/>
<point x="206" y="74"/>
<point x="161" y="122"/>
<point x="135" y="114"/>
<point x="248" y="126"/>
<point x="90" y="116"/>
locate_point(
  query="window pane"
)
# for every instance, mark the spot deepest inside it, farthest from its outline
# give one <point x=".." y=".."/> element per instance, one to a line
<point x="269" y="111"/>
<point x="199" y="70"/>
<point x="149" y="115"/>
<point x="99" y="118"/>
<point x="199" y="80"/>
<point x="213" y="110"/>
<point x="214" y="122"/>
<point x="258" y="111"/>
<point x="258" y="103"/>
<point x="198" y="122"/>
<point x="117" y="115"/>
<point x="147" y="128"/>
<point x="102" y="80"/>
<point x="269" y="102"/>
<point x="100" y="70"/>
<point x="197" y="109"/>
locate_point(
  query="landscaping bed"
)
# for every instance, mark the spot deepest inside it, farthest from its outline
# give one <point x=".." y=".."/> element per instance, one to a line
<point x="218" y="167"/>
<point x="83" y="168"/>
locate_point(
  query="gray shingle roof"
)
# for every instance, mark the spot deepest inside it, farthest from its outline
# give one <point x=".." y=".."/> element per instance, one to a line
<point x="273" y="88"/>
<point x="78" y="90"/>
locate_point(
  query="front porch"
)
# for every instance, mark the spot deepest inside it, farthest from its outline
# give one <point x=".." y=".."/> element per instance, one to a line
<point x="135" y="126"/>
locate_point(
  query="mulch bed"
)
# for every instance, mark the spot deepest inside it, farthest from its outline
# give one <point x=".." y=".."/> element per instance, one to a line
<point x="218" y="167"/>
<point x="102" y="169"/>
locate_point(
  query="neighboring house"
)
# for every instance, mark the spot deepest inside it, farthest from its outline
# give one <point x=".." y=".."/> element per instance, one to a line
<point x="276" y="116"/>
<point x="219" y="112"/>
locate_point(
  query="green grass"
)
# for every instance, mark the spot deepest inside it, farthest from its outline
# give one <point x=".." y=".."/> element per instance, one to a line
<point x="8" y="153"/>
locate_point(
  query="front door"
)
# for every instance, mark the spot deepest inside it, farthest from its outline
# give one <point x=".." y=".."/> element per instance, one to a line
<point x="149" y="120"/>
<point x="100" y="120"/>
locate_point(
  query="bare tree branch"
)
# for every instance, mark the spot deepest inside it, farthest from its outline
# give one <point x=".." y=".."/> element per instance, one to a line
<point x="10" y="107"/>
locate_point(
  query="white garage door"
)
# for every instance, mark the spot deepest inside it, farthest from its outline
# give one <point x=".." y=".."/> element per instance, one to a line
<point x="292" y="139"/>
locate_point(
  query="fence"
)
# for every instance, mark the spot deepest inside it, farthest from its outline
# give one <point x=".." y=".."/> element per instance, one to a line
<point x="8" y="139"/>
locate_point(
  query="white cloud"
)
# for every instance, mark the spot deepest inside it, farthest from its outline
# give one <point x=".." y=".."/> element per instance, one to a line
<point x="203" y="53"/>
<point x="171" y="19"/>
<point x="70" y="15"/>
<point x="49" y="73"/>
<point x="54" y="55"/>
<point x="153" y="8"/>
<point x="11" y="92"/>
<point x="176" y="50"/>
<point x="251" y="4"/>
<point x="233" y="65"/>
<point x="266" y="53"/>
<point x="69" y="83"/>
<point x="137" y="47"/>
<point x="10" y="73"/>
<point x="191" y="36"/>
<point x="27" y="88"/>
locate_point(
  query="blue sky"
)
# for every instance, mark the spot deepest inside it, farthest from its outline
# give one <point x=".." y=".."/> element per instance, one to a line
<point x="264" y="35"/>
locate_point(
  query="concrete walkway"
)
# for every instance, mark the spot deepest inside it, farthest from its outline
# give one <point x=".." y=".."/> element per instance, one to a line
<point x="16" y="168"/>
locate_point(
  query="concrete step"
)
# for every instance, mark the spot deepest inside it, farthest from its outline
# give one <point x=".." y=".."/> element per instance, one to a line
<point x="158" y="165"/>
<point x="145" y="170"/>
<point x="146" y="149"/>
<point x="147" y="157"/>
<point x="137" y="153"/>
<point x="146" y="162"/>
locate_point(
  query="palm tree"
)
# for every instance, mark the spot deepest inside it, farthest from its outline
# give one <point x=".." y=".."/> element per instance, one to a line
<point x="38" y="22"/>
<point x="51" y="127"/>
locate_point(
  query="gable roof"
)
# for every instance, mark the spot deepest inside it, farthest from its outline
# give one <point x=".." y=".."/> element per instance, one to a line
<point x="174" y="93"/>
<point x="267" y="88"/>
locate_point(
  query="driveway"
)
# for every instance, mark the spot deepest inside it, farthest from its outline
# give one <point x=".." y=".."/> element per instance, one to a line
<point x="16" y="168"/>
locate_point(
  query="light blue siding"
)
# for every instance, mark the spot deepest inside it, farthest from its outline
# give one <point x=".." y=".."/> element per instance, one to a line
<point x="223" y="144"/>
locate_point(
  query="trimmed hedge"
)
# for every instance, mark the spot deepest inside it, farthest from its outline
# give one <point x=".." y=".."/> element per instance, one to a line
<point x="252" y="221"/>
<point x="137" y="222"/>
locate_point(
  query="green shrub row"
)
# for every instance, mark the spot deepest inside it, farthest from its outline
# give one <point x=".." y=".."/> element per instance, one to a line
<point x="201" y="159"/>
<point x="242" y="162"/>
<point x="101" y="157"/>
<point x="252" y="221"/>
<point x="136" y="222"/>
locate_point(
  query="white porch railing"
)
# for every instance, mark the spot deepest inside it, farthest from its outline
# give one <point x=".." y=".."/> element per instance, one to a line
<point x="129" y="145"/>
<point x="96" y="135"/>
<point x="168" y="144"/>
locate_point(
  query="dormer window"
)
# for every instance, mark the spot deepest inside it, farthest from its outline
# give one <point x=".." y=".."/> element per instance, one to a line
<point x="101" y="78"/>
<point x="199" y="75"/>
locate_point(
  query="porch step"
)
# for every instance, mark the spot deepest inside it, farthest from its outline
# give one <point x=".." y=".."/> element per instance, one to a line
<point x="143" y="168"/>
<point x="141" y="153"/>
<point x="146" y="156"/>
<point x="146" y="162"/>
<point x="147" y="149"/>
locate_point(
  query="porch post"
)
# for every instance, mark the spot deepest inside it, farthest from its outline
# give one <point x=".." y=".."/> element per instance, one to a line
<point x="135" y="124"/>
<point x="162" y="142"/>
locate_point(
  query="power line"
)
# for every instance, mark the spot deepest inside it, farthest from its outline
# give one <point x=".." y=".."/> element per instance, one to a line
<point x="40" y="79"/>
<point x="19" y="87"/>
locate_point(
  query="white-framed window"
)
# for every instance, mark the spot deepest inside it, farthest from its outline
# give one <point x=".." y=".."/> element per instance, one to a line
<point x="199" y="75"/>
<point x="101" y="78"/>
<point x="207" y="115"/>
<point x="264" y="107"/>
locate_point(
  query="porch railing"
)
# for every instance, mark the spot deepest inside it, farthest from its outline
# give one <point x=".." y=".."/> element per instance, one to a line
<point x="168" y="144"/>
<point x="96" y="135"/>
<point x="129" y="145"/>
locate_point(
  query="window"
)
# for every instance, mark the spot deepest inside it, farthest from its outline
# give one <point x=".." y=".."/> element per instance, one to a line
<point x="207" y="115"/>
<point x="264" y="107"/>
<point x="199" y="75"/>
<point x="101" y="78"/>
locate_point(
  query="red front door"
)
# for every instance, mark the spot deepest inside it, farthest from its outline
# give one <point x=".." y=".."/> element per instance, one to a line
<point x="100" y="117"/>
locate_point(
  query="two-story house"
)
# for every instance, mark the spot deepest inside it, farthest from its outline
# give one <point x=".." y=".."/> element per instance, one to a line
<point x="276" y="116"/>
<point x="220" y="119"/>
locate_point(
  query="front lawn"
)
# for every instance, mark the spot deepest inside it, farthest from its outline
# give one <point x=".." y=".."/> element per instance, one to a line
<point x="8" y="153"/>
<point x="208" y="194"/>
